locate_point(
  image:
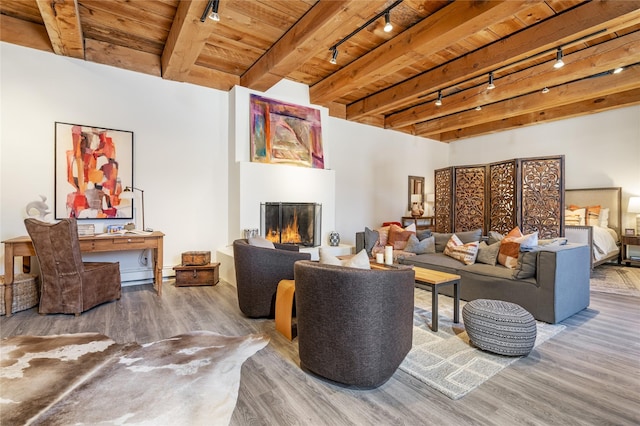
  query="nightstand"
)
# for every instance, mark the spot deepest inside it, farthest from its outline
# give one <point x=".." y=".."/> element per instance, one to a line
<point x="629" y="240"/>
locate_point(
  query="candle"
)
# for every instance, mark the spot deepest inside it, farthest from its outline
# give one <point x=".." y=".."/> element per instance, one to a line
<point x="379" y="257"/>
<point x="388" y="255"/>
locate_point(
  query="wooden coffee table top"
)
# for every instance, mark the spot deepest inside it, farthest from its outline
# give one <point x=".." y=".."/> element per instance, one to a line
<point x="430" y="276"/>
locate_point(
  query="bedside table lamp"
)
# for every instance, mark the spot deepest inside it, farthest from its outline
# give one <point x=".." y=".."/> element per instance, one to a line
<point x="127" y="194"/>
<point x="634" y="207"/>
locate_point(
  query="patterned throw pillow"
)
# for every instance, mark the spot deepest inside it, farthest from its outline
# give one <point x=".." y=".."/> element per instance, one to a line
<point x="398" y="237"/>
<point x="465" y="253"/>
<point x="511" y="245"/>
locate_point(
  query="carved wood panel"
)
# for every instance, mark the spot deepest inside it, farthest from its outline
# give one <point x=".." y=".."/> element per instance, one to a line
<point x="469" y="198"/>
<point x="542" y="196"/>
<point x="443" y="199"/>
<point x="503" y="197"/>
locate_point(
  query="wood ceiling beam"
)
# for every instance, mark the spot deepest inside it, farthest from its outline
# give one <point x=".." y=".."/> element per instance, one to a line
<point x="122" y="57"/>
<point x="214" y="79"/>
<point x="588" y="106"/>
<point x="302" y="41"/>
<point x="186" y="40"/>
<point x="24" y="33"/>
<point x="447" y="26"/>
<point x="600" y="58"/>
<point x="561" y="95"/>
<point x="578" y="22"/>
<point x="62" y="21"/>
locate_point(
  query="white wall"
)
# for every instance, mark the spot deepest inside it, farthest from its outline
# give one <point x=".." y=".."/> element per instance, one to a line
<point x="180" y="149"/>
<point x="601" y="150"/>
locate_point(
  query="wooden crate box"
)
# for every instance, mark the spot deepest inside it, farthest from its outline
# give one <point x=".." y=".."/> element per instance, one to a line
<point x="191" y="275"/>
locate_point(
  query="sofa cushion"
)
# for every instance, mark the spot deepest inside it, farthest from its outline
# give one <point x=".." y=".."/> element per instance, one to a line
<point x="426" y="233"/>
<point x="465" y="237"/>
<point x="465" y="253"/>
<point x="526" y="267"/>
<point x="360" y="260"/>
<point x="414" y="245"/>
<point x="260" y="242"/>
<point x="512" y="243"/>
<point x="370" y="239"/>
<point x="488" y="253"/>
<point x="398" y="237"/>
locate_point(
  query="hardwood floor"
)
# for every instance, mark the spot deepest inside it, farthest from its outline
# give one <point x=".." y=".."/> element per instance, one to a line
<point x="589" y="374"/>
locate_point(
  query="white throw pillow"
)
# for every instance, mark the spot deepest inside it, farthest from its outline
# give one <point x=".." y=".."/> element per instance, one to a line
<point x="261" y="242"/>
<point x="360" y="260"/>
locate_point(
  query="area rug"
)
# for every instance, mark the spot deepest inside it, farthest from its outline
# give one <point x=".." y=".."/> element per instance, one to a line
<point x="445" y="360"/>
<point x="618" y="279"/>
<point x="87" y="378"/>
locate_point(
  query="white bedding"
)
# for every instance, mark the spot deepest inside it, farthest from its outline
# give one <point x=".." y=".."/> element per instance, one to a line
<point x="604" y="242"/>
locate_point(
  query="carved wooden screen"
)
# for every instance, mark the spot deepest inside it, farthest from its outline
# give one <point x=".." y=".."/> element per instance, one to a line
<point x="469" y="198"/>
<point x="443" y="200"/>
<point x="542" y="189"/>
<point x="503" y="197"/>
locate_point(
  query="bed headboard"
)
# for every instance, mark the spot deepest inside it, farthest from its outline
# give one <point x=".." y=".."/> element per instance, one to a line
<point x="605" y="197"/>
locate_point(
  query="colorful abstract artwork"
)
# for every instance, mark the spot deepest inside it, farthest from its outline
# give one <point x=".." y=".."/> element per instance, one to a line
<point x="284" y="133"/>
<point x="92" y="167"/>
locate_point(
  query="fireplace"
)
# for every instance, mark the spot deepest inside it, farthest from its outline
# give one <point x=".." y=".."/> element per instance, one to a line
<point x="291" y="223"/>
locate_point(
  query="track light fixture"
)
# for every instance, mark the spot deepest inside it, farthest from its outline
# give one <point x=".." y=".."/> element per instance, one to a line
<point x="387" y="27"/>
<point x="387" y="22"/>
<point x="618" y="70"/>
<point x="559" y="62"/>
<point x="491" y="86"/>
<point x="545" y="90"/>
<point x="212" y="5"/>
<point x="334" y="55"/>
<point x="478" y="108"/>
<point x="439" y="100"/>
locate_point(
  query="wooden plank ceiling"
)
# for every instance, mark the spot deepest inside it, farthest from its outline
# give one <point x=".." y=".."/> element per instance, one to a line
<point x="386" y="79"/>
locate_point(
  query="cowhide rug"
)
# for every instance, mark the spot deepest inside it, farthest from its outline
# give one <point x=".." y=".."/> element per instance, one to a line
<point x="87" y="378"/>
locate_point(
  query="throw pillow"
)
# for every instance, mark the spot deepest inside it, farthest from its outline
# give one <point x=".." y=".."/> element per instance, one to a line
<point x="511" y="245"/>
<point x="488" y="253"/>
<point x="414" y="245"/>
<point x="604" y="218"/>
<point x="465" y="237"/>
<point x="398" y="237"/>
<point x="526" y="266"/>
<point x="575" y="217"/>
<point x="261" y="242"/>
<point x="424" y="234"/>
<point x="370" y="239"/>
<point x="552" y="242"/>
<point x="494" y="237"/>
<point x="383" y="236"/>
<point x="465" y="253"/>
<point x="360" y="260"/>
<point x="593" y="215"/>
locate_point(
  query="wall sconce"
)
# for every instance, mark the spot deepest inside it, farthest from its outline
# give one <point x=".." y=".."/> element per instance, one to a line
<point x="127" y="194"/>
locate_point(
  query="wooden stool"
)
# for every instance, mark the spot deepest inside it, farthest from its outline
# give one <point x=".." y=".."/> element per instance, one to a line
<point x="284" y="308"/>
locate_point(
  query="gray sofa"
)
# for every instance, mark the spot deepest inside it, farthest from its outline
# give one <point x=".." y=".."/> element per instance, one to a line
<point x="558" y="289"/>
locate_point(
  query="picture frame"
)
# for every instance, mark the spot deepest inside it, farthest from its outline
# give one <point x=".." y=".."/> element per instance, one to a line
<point x="92" y="167"/>
<point x="629" y="232"/>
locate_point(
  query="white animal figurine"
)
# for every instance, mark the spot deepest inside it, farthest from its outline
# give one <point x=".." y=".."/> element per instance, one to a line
<point x="38" y="209"/>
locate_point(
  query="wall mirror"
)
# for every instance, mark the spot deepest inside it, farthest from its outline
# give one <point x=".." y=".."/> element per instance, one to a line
<point x="416" y="188"/>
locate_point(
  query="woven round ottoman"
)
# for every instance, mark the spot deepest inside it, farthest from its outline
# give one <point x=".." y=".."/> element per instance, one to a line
<point x="500" y="327"/>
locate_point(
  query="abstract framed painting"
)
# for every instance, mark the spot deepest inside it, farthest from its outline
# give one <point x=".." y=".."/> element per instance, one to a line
<point x="92" y="167"/>
<point x="283" y="133"/>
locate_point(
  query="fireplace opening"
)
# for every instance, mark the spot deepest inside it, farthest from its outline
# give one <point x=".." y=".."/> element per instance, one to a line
<point x="291" y="223"/>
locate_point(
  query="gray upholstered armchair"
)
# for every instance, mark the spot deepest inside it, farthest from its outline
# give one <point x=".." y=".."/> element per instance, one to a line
<point x="69" y="285"/>
<point x="258" y="272"/>
<point x="355" y="326"/>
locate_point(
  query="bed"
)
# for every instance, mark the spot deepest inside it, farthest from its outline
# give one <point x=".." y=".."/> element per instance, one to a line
<point x="593" y="216"/>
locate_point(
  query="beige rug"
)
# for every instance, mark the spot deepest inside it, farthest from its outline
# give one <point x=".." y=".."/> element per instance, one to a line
<point x="445" y="360"/>
<point x="612" y="278"/>
<point x="87" y="378"/>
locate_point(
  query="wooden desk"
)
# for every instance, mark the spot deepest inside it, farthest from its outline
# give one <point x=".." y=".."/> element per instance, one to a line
<point x="23" y="247"/>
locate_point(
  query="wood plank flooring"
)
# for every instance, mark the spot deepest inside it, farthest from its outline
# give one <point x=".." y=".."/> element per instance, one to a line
<point x="589" y="374"/>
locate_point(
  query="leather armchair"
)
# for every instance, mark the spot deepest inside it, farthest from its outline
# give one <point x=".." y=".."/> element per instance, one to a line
<point x="355" y="326"/>
<point x="69" y="285"/>
<point x="258" y="272"/>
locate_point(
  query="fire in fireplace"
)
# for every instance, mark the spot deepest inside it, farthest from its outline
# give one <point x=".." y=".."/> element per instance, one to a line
<point x="291" y="223"/>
